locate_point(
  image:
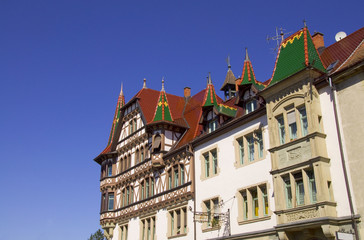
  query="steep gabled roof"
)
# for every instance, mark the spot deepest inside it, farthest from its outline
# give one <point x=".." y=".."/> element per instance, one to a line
<point x="212" y="100"/>
<point x="229" y="79"/>
<point x="162" y="111"/>
<point x="247" y="75"/>
<point x="295" y="53"/>
<point x="344" y="49"/>
<point x="119" y="105"/>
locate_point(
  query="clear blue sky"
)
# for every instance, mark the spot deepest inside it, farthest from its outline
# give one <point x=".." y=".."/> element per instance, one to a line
<point x="61" y="67"/>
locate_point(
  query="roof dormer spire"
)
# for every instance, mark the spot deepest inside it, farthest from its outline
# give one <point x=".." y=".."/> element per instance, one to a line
<point x="162" y="84"/>
<point x="246" y="55"/>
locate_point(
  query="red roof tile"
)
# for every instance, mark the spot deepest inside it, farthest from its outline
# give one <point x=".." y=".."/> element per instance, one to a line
<point x="342" y="49"/>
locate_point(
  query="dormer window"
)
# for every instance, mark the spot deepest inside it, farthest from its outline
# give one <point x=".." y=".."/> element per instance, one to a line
<point x="211" y="121"/>
<point x="250" y="101"/>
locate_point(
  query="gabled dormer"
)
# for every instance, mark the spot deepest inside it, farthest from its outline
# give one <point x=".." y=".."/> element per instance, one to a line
<point x="164" y="129"/>
<point x="214" y="113"/>
<point x="248" y="87"/>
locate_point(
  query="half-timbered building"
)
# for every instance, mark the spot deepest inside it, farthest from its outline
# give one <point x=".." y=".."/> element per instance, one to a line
<point x="267" y="162"/>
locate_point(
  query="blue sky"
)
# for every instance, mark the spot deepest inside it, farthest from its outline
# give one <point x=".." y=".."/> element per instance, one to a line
<point x="61" y="67"/>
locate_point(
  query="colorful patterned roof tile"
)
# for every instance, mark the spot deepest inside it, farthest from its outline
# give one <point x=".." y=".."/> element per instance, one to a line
<point x="296" y="53"/>
<point x="248" y="76"/>
<point x="226" y="110"/>
<point x="120" y="104"/>
<point x="210" y="98"/>
<point x="162" y="112"/>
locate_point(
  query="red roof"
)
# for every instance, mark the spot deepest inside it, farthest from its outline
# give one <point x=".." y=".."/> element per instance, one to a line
<point x="342" y="50"/>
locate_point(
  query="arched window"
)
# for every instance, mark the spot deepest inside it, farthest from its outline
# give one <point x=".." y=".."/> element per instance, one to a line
<point x="142" y="154"/>
<point x="137" y="156"/>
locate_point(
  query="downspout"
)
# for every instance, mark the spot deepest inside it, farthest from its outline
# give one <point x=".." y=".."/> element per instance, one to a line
<point x="333" y="90"/>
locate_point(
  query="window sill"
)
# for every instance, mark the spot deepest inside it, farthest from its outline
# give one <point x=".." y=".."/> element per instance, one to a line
<point x="241" y="222"/>
<point x="179" y="235"/>
<point x="209" y="229"/>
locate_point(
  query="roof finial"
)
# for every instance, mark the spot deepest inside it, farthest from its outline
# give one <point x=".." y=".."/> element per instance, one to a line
<point x="121" y="90"/>
<point x="162" y="84"/>
<point x="145" y="83"/>
<point x="304" y="23"/>
<point x="246" y="55"/>
<point x="228" y="61"/>
<point x="209" y="79"/>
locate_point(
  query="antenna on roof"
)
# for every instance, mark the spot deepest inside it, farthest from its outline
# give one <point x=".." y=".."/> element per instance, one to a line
<point x="278" y="37"/>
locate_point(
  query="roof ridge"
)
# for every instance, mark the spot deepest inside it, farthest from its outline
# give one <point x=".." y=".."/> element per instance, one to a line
<point x="350" y="56"/>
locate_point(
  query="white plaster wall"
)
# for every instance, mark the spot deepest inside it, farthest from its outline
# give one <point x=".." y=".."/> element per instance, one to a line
<point x="161" y="226"/>
<point x="226" y="184"/>
<point x="332" y="144"/>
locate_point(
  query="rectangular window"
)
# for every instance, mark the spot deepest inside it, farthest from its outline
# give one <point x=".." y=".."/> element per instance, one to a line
<point x="255" y="202"/>
<point x="281" y="130"/>
<point x="142" y="190"/>
<point x="169" y="179"/>
<point x="124" y="232"/>
<point x="148" y="228"/>
<point x="260" y="144"/>
<point x="209" y="162"/>
<point x="214" y="161"/>
<point x="245" y="205"/>
<point x="111" y="202"/>
<point x="300" y="191"/>
<point x="212" y="210"/>
<point x="250" y="106"/>
<point x="207" y="165"/>
<point x="124" y="199"/>
<point x="147" y="188"/>
<point x="182" y="175"/>
<point x="176" y="177"/>
<point x="109" y="170"/>
<point x="208" y="211"/>
<point x="250" y="140"/>
<point x="212" y="126"/>
<point x="303" y="119"/>
<point x="312" y="186"/>
<point x="292" y="125"/>
<point x="287" y="183"/>
<point x="265" y="200"/>
<point x="241" y="150"/>
<point x="127" y="195"/>
<point x="152" y="188"/>
<point x="178" y="221"/>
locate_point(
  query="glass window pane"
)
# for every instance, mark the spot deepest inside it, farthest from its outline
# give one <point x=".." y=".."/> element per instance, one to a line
<point x="250" y="141"/>
<point x="214" y="161"/>
<point x="241" y="150"/>
<point x="304" y="124"/>
<point x="281" y="130"/>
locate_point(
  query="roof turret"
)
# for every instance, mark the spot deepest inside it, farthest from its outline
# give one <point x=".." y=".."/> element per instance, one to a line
<point x="162" y="111"/>
<point x="296" y="53"/>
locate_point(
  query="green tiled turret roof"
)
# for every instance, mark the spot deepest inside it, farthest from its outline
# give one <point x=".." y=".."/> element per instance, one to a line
<point x="248" y="76"/>
<point x="162" y="112"/>
<point x="210" y="95"/>
<point x="210" y="99"/>
<point x="296" y="53"/>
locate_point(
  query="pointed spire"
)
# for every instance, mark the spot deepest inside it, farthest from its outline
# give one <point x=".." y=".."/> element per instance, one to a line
<point x="121" y="90"/>
<point x="162" y="84"/>
<point x="246" y="55"/>
<point x="145" y="83"/>
<point x="304" y="23"/>
<point x="209" y="79"/>
<point x="228" y="61"/>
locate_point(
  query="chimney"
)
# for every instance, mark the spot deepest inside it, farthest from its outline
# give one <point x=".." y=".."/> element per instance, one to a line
<point x="187" y="92"/>
<point x="318" y="41"/>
